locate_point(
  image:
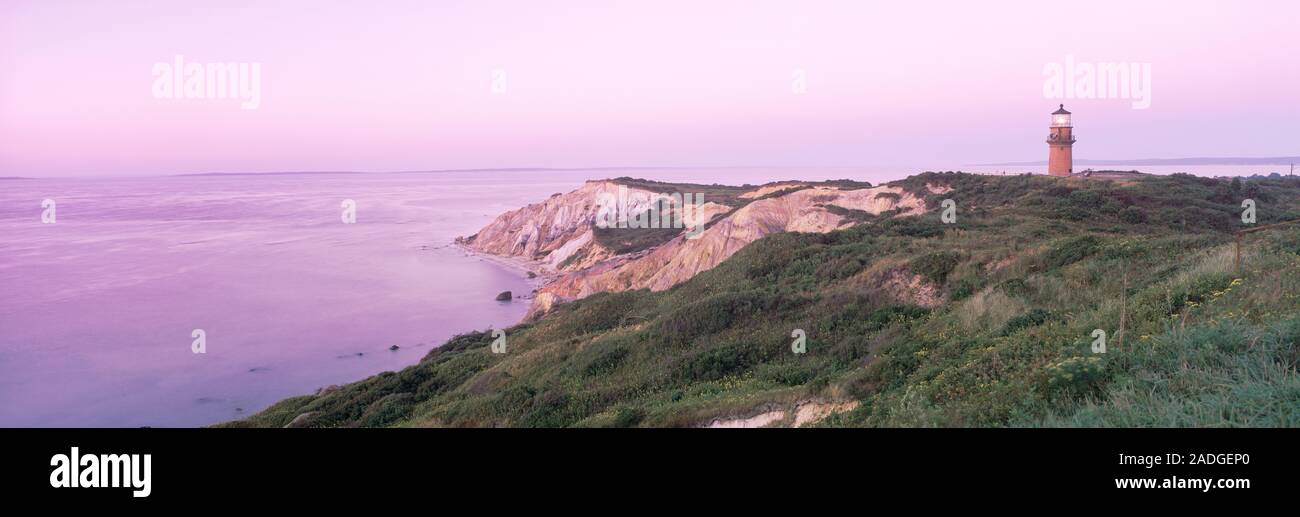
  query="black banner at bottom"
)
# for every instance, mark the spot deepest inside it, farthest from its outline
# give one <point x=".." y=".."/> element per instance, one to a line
<point x="319" y="467"/>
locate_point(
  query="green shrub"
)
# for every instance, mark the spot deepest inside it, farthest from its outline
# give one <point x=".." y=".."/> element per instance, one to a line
<point x="1071" y="212"/>
<point x="1076" y="375"/>
<point x="606" y="362"/>
<point x="628" y="417"/>
<point x="885" y="316"/>
<point x="1071" y="251"/>
<point x="1033" y="318"/>
<point x="1086" y="199"/>
<point x="719" y="362"/>
<point x="1172" y="299"/>
<point x="935" y="266"/>
<point x="387" y="410"/>
<point x="1133" y="215"/>
<point x="964" y="288"/>
<point x="1014" y="287"/>
<point x="721" y="311"/>
<point x="631" y="240"/>
<point x="916" y="227"/>
<point x="787" y="373"/>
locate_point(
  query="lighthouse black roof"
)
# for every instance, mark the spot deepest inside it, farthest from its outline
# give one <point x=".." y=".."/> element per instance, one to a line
<point x="1061" y="111"/>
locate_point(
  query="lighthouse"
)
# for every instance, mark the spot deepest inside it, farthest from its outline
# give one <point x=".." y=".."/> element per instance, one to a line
<point x="1060" y="144"/>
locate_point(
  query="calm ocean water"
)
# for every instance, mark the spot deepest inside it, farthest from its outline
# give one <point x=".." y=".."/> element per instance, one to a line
<point x="97" y="310"/>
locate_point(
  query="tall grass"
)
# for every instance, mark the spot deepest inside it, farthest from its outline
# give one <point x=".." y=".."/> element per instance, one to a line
<point x="1213" y="375"/>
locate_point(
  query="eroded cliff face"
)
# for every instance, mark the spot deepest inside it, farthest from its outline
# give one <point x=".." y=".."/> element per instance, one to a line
<point x="557" y="235"/>
<point x="545" y="233"/>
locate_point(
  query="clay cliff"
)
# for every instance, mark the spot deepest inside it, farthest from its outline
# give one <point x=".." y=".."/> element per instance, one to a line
<point x="556" y="236"/>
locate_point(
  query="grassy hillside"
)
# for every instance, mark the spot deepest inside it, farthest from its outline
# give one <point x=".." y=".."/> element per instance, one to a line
<point x="985" y="322"/>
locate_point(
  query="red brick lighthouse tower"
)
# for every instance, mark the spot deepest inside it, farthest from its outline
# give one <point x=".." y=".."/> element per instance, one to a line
<point x="1060" y="142"/>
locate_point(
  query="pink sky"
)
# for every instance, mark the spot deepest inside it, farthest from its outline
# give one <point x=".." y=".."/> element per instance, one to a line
<point x="392" y="85"/>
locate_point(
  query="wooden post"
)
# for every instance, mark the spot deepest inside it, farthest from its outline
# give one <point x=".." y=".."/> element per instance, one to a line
<point x="1123" y="311"/>
<point x="1236" y="259"/>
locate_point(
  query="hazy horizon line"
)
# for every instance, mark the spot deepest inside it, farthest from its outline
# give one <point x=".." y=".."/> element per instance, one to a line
<point x="1191" y="161"/>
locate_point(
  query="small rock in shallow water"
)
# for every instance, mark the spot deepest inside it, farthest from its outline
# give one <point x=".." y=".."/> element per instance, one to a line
<point x="394" y="347"/>
<point x="505" y="296"/>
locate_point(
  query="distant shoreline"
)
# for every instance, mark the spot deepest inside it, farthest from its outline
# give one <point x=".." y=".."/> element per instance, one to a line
<point x="431" y="171"/>
<point x="1277" y="160"/>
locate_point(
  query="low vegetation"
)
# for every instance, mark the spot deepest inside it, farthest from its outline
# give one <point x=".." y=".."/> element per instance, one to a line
<point x="1030" y="269"/>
